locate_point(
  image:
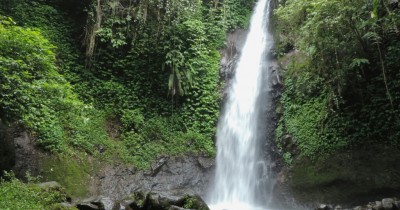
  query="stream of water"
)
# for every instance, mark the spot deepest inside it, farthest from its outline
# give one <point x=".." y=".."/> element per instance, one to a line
<point x="242" y="180"/>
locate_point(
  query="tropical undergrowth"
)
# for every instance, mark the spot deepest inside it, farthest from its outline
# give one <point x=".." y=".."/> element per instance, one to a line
<point x="15" y="194"/>
<point x="74" y="72"/>
<point x="341" y="83"/>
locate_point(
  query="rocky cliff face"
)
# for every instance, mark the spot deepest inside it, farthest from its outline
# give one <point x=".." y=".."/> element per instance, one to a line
<point x="17" y="151"/>
<point x="172" y="175"/>
<point x="230" y="55"/>
<point x="187" y="174"/>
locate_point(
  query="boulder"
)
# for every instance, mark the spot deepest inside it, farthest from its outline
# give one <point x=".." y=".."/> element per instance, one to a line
<point x="162" y="201"/>
<point x="177" y="208"/>
<point x="377" y="206"/>
<point x="387" y="203"/>
<point x="397" y="204"/>
<point x="87" y="206"/>
<point x="100" y="203"/>
<point x="195" y="202"/>
<point x="338" y="207"/>
<point x="126" y="204"/>
<point x="369" y="207"/>
<point x="105" y="203"/>
<point x="323" y="207"/>
<point x="136" y="201"/>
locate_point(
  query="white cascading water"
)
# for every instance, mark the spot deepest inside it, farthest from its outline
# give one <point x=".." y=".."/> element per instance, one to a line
<point x="241" y="179"/>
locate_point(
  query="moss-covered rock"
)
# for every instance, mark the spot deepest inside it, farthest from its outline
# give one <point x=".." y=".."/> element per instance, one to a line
<point x="161" y="201"/>
<point x="346" y="177"/>
<point x="72" y="173"/>
<point x="194" y="202"/>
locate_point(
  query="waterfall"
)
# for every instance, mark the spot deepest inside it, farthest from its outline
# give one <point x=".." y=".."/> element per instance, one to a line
<point x="242" y="181"/>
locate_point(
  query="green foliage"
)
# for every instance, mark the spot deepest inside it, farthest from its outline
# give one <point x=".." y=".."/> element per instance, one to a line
<point x="236" y="13"/>
<point x="159" y="137"/>
<point x="169" y="33"/>
<point x="341" y="88"/>
<point x="194" y="202"/>
<point x="17" y="195"/>
<point x="6" y="20"/>
<point x="153" y="67"/>
<point x="287" y="157"/>
<point x="132" y="120"/>
<point x="34" y="93"/>
<point x="157" y="64"/>
<point x="201" y="109"/>
<point x="28" y="73"/>
<point x="55" y="25"/>
<point x="306" y="115"/>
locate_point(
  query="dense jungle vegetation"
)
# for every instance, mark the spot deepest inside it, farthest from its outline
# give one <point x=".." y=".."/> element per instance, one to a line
<point x="340" y="107"/>
<point x="134" y="78"/>
<point x="342" y="88"/>
<point x="112" y="79"/>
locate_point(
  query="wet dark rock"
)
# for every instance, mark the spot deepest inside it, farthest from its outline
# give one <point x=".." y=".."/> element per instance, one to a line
<point x="394" y="4"/>
<point x="7" y="154"/>
<point x="396" y="204"/>
<point x="286" y="140"/>
<point x="230" y="56"/>
<point x="87" y="206"/>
